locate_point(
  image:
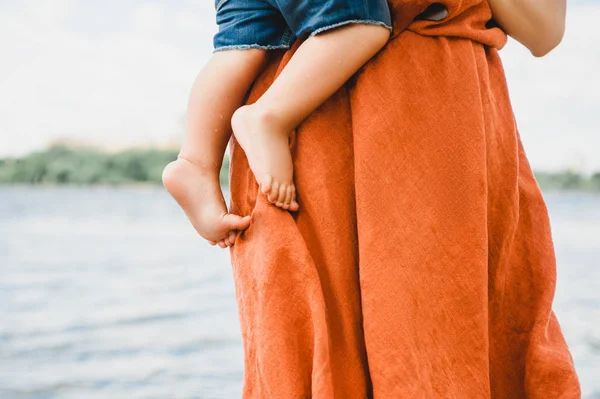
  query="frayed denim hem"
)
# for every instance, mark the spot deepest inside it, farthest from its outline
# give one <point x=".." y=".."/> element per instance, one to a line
<point x="351" y="21"/>
<point x="316" y="32"/>
<point x="251" y="46"/>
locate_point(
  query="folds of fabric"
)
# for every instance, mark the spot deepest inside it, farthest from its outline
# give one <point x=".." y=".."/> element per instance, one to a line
<point x="421" y="263"/>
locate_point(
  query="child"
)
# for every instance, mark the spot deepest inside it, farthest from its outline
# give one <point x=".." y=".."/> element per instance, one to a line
<point x="341" y="36"/>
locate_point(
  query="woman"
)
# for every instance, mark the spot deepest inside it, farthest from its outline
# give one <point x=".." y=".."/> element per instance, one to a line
<point x="420" y="263"/>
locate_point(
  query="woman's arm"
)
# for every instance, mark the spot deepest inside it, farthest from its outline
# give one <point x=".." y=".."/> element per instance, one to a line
<point x="537" y="24"/>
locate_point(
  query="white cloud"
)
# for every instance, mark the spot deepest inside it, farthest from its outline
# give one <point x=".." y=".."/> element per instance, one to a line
<point x="119" y="87"/>
<point x="556" y="99"/>
<point x="119" y="73"/>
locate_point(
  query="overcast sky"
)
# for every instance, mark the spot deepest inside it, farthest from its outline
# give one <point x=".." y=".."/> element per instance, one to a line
<point x="118" y="73"/>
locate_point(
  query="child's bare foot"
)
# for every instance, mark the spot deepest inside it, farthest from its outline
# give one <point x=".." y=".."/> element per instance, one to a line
<point x="267" y="149"/>
<point x="198" y="192"/>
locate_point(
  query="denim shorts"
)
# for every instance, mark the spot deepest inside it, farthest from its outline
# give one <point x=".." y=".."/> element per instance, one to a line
<point x="275" y="24"/>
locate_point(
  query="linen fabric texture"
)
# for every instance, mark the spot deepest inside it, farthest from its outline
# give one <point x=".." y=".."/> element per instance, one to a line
<point x="420" y="263"/>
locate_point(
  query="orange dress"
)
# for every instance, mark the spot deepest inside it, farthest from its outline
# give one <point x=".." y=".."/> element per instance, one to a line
<point x="421" y="262"/>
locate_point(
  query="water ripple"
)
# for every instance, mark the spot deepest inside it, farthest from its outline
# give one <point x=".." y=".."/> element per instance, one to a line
<point x="120" y="299"/>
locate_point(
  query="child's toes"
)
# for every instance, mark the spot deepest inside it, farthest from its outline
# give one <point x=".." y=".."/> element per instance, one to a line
<point x="288" y="197"/>
<point x="222" y="244"/>
<point x="281" y="197"/>
<point x="293" y="203"/>
<point x="294" y="206"/>
<point x="274" y="193"/>
<point x="266" y="185"/>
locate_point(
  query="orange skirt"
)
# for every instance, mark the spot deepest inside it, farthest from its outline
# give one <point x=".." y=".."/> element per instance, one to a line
<point x="421" y="262"/>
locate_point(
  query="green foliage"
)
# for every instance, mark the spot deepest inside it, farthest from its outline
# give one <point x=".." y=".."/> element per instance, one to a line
<point x="595" y="181"/>
<point x="86" y="166"/>
<point x="225" y="172"/>
<point x="568" y="181"/>
<point x="64" y="165"/>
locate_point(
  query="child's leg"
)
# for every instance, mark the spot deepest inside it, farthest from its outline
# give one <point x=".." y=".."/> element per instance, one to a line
<point x="193" y="179"/>
<point x="320" y="66"/>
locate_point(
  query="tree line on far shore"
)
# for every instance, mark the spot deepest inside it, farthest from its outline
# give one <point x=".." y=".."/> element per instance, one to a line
<point x="63" y="165"/>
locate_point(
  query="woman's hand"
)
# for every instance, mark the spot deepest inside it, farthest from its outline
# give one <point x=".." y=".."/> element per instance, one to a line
<point x="537" y="24"/>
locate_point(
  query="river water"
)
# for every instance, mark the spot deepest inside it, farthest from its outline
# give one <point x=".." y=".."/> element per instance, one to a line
<point x="108" y="293"/>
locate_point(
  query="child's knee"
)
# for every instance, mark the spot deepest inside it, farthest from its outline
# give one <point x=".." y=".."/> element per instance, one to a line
<point x="379" y="35"/>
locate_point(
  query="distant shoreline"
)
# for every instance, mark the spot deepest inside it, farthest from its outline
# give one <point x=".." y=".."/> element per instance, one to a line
<point x="150" y="187"/>
<point x="91" y="167"/>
